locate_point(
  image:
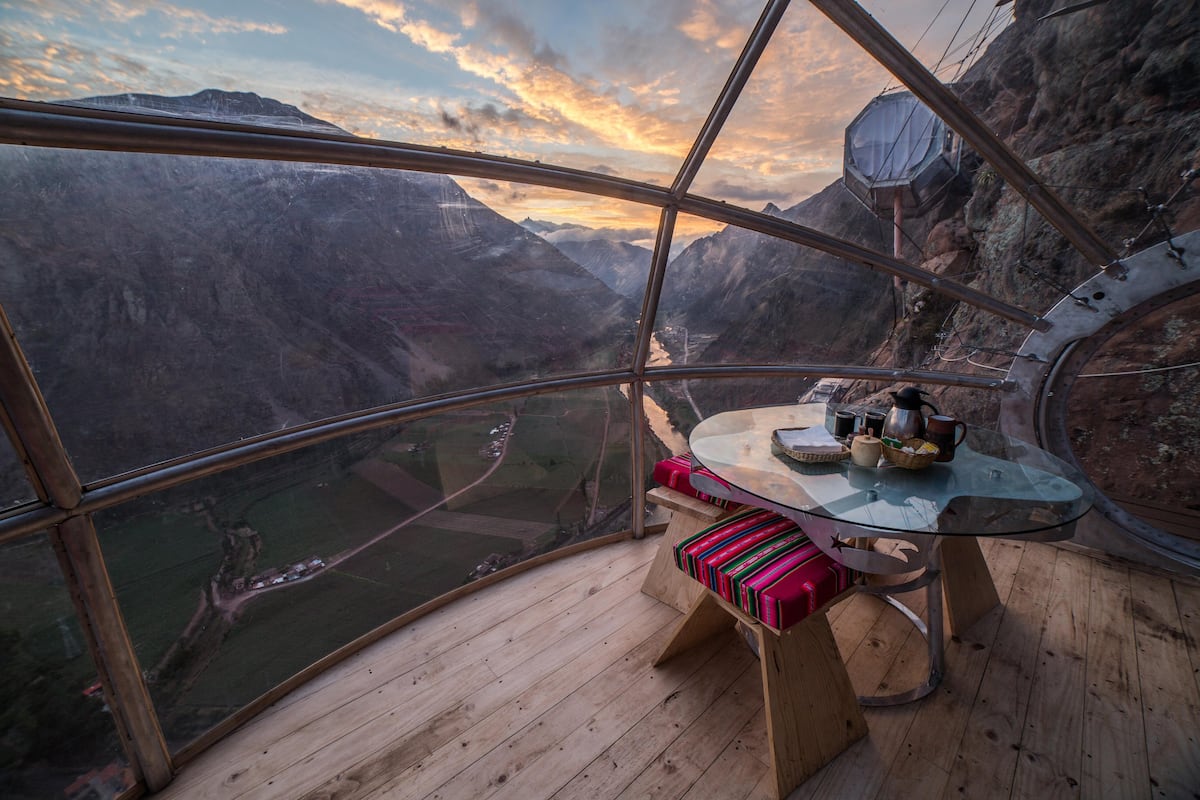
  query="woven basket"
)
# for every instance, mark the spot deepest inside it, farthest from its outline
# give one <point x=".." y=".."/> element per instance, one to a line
<point x="911" y="460"/>
<point x="807" y="458"/>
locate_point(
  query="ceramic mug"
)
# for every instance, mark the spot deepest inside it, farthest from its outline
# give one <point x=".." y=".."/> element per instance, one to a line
<point x="873" y="422"/>
<point x="941" y="430"/>
<point x="843" y="423"/>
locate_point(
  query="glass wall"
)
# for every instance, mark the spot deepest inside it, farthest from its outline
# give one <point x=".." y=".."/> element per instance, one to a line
<point x="58" y="737"/>
<point x="1132" y="422"/>
<point x="14" y="483"/>
<point x="234" y="583"/>
<point x="801" y="306"/>
<point x="783" y="140"/>
<point x="674" y="408"/>
<point x="171" y="304"/>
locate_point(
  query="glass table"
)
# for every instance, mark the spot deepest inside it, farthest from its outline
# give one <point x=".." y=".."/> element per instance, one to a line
<point x="996" y="486"/>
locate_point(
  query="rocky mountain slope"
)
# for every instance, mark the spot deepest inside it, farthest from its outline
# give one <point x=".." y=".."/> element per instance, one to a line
<point x="622" y="266"/>
<point x="169" y="304"/>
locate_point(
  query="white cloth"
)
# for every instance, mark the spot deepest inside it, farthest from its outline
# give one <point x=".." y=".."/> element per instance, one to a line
<point x="809" y="440"/>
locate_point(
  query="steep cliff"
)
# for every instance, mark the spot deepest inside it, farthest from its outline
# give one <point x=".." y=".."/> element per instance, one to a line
<point x="1104" y="103"/>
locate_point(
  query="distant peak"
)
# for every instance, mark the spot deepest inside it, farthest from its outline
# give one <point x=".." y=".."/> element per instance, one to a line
<point x="541" y="226"/>
<point x="213" y="104"/>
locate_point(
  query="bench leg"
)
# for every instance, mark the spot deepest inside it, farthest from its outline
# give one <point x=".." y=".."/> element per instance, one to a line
<point x="704" y="619"/>
<point x="664" y="581"/>
<point x="812" y="711"/>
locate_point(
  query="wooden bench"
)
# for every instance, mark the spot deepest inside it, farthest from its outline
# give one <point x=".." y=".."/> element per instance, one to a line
<point x="758" y="568"/>
<point x="691" y="510"/>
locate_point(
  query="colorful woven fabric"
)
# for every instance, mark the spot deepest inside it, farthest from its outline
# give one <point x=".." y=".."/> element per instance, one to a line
<point x="676" y="473"/>
<point x="764" y="564"/>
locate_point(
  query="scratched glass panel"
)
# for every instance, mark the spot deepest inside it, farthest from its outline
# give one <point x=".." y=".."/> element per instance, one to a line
<point x="59" y="737"/>
<point x="234" y="583"/>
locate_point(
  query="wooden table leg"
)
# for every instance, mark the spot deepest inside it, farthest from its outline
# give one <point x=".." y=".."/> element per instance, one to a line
<point x="969" y="590"/>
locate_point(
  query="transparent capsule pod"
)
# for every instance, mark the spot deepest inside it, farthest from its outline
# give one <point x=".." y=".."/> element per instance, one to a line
<point x="349" y="351"/>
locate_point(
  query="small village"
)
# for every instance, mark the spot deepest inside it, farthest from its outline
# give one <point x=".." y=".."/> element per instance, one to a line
<point x="495" y="447"/>
<point x="275" y="577"/>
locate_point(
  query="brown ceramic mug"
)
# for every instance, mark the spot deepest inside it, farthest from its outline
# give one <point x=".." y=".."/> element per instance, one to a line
<point x="942" y="430"/>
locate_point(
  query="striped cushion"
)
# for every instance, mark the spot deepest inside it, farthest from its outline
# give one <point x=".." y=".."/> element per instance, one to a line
<point x="676" y="473"/>
<point x="764" y="564"/>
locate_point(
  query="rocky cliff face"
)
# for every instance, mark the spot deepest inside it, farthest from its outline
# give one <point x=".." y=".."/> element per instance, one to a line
<point x="1104" y="103"/>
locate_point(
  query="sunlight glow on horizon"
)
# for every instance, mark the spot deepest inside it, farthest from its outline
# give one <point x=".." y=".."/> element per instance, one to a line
<point x="612" y="87"/>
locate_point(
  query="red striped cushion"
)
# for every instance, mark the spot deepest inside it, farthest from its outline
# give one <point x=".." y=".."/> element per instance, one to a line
<point x="764" y="564"/>
<point x="676" y="473"/>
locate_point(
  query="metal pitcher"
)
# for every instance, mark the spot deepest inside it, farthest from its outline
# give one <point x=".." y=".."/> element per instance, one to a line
<point x="905" y="420"/>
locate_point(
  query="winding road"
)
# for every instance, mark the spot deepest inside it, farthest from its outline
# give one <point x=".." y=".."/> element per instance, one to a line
<point x="231" y="604"/>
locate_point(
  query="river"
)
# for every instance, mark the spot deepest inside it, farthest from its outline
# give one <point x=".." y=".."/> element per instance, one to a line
<point x="655" y="415"/>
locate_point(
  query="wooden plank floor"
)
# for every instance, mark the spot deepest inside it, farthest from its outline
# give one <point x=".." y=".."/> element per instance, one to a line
<point x="1085" y="683"/>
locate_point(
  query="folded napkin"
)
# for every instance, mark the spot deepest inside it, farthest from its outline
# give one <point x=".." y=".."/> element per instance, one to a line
<point x="809" y="440"/>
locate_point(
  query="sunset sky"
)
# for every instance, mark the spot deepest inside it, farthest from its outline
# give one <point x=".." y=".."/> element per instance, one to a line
<point x="617" y="86"/>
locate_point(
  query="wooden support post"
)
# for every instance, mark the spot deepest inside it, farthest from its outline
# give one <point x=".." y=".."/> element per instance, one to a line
<point x="78" y="551"/>
<point x="707" y="617"/>
<point x="812" y="711"/>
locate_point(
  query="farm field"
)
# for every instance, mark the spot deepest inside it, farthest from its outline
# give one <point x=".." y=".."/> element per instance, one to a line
<point x="381" y="527"/>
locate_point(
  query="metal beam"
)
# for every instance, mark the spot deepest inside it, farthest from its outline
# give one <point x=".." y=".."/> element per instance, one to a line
<point x="873" y="38"/>
<point x="637" y="459"/>
<point x="759" y="37"/>
<point x="691" y="372"/>
<point x="654" y="284"/>
<point x="37" y="124"/>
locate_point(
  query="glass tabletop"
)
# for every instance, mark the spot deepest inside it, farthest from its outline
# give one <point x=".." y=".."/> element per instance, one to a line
<point x="995" y="486"/>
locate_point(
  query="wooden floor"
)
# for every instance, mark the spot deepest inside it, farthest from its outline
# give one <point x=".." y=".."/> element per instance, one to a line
<point x="1083" y="684"/>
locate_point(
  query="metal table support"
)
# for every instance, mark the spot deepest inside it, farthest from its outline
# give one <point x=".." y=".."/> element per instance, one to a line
<point x="931" y="579"/>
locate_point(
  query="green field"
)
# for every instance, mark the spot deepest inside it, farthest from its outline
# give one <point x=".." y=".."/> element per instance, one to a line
<point x="321" y="518"/>
<point x="323" y="503"/>
<point x="159" y="564"/>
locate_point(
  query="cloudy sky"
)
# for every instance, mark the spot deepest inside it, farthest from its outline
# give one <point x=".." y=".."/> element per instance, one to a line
<point x="618" y="86"/>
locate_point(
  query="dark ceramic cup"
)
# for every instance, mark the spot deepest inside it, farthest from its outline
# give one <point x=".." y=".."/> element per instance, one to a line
<point x="843" y="423"/>
<point x="946" y="432"/>
<point x="873" y="422"/>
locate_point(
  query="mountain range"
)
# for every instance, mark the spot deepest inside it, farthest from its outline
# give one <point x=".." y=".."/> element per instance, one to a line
<point x="623" y="266"/>
<point x="168" y="304"/>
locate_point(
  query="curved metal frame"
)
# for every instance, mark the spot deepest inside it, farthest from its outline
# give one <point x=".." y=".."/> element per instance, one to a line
<point x="1048" y="362"/>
